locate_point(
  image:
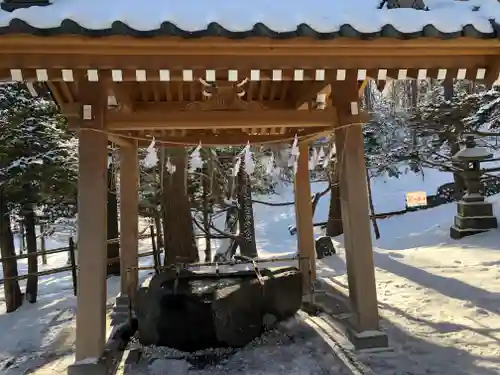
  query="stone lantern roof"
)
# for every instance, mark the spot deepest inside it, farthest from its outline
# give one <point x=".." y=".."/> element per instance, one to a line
<point x="471" y="152"/>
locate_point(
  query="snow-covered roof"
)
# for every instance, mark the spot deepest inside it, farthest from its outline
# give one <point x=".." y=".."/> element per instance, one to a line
<point x="241" y="18"/>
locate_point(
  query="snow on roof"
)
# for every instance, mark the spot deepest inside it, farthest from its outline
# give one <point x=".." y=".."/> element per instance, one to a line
<point x="445" y="18"/>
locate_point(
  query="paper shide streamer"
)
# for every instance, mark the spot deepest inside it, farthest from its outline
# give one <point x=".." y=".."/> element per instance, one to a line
<point x="249" y="163"/>
<point x="329" y="157"/>
<point x="294" y="154"/>
<point x="313" y="160"/>
<point x="195" y="160"/>
<point x="171" y="168"/>
<point x="270" y="165"/>
<point x="321" y="154"/>
<point x="151" y="158"/>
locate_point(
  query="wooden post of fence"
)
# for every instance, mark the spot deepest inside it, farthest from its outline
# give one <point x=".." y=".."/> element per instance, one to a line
<point x="156" y="254"/>
<point x="73" y="264"/>
<point x="42" y="243"/>
<point x="22" y="242"/>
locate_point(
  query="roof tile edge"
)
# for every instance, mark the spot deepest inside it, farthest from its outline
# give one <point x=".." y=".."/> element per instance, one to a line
<point x="11" y="5"/>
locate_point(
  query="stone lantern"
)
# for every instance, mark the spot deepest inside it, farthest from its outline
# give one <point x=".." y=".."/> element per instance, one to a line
<point x="474" y="214"/>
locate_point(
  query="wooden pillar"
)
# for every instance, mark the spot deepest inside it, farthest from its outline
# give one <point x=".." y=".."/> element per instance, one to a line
<point x="304" y="217"/>
<point x="129" y="218"/>
<point x="92" y="225"/>
<point x="355" y="211"/>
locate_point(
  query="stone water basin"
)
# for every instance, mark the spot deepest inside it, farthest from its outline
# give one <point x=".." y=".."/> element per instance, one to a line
<point x="198" y="310"/>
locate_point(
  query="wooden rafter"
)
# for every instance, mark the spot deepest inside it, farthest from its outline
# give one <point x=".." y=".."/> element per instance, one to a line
<point x="123" y="96"/>
<point x="304" y="96"/>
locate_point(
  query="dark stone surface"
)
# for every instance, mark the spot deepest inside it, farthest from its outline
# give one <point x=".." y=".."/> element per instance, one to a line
<point x="472" y="218"/>
<point x="415" y="4"/>
<point x="469" y="210"/>
<point x="283" y="290"/>
<point x="324" y="247"/>
<point x="238" y="312"/>
<point x="206" y="310"/>
<point x="457" y="233"/>
<point x="476" y="223"/>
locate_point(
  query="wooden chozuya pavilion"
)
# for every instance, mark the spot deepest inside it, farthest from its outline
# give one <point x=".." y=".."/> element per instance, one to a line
<point x="129" y="70"/>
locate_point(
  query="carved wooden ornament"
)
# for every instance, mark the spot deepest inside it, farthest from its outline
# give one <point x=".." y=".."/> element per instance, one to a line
<point x="225" y="96"/>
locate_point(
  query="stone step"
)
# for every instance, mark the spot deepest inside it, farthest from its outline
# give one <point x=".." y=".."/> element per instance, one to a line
<point x="120" y="308"/>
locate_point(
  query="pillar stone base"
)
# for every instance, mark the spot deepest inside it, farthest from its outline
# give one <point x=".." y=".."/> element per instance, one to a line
<point x="368" y="339"/>
<point x="457" y="233"/>
<point x="334" y="301"/>
<point x="120" y="311"/>
<point x="472" y="218"/>
<point x="97" y="368"/>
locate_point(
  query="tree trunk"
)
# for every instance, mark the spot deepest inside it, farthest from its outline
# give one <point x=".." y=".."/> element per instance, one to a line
<point x="372" y="208"/>
<point x="458" y="178"/>
<point x="13" y="296"/>
<point x="206" y="215"/>
<point x="159" y="231"/>
<point x="22" y="239"/>
<point x="157" y="201"/>
<point x="413" y="94"/>
<point x="452" y="137"/>
<point x="334" y="224"/>
<point x="112" y="222"/>
<point x="248" y="247"/>
<point x="227" y="246"/>
<point x="32" y="281"/>
<point x="180" y="244"/>
<point x="42" y="243"/>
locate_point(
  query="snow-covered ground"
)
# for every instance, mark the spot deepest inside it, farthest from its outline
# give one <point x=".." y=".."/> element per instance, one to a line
<point x="292" y="349"/>
<point x="439" y="298"/>
<point x="44" y="331"/>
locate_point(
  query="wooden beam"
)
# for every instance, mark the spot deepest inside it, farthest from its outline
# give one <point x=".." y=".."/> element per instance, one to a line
<point x="347" y="60"/>
<point x="71" y="109"/>
<point x="163" y="120"/>
<point x="355" y="212"/>
<point x="356" y="223"/>
<point x="120" y="141"/>
<point x="75" y="109"/>
<point x="129" y="214"/>
<point x="226" y="139"/>
<point x="343" y="94"/>
<point x="56" y="94"/>
<point x="217" y="46"/>
<point x="183" y="105"/>
<point x="493" y="72"/>
<point x="304" y="218"/>
<point x="92" y="236"/>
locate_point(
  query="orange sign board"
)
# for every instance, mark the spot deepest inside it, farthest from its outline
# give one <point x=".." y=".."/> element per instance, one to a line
<point x="416" y="199"/>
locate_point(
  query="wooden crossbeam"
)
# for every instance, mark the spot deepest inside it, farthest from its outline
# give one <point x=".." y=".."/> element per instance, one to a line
<point x="157" y="119"/>
<point x="221" y="138"/>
